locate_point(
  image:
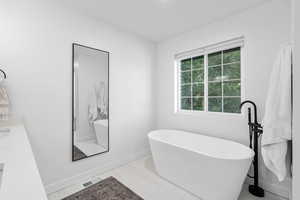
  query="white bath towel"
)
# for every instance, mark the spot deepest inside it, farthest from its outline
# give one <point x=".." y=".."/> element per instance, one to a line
<point x="277" y="119"/>
<point x="101" y="98"/>
<point x="97" y="102"/>
<point x="4" y="104"/>
<point x="92" y="106"/>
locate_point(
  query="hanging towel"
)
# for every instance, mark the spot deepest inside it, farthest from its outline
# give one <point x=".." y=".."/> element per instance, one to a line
<point x="4" y="104"/>
<point x="277" y="119"/>
<point x="92" y="106"/>
<point x="101" y="99"/>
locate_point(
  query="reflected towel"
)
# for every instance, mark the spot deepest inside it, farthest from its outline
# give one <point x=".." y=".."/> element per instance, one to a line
<point x="4" y="104"/>
<point x="92" y="106"/>
<point x="277" y="119"/>
<point x="101" y="99"/>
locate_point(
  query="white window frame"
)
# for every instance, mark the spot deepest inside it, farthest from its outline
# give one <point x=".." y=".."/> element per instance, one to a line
<point x="204" y="51"/>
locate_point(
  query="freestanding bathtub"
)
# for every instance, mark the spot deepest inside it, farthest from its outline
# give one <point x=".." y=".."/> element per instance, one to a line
<point x="209" y="167"/>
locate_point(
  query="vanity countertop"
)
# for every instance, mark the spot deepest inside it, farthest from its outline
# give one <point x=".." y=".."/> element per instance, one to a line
<point x="20" y="178"/>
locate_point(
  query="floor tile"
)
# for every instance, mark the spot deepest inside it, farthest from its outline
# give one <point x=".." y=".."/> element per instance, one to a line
<point x="141" y="177"/>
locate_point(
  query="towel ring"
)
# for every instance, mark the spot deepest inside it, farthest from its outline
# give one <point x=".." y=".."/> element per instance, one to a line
<point x="4" y="74"/>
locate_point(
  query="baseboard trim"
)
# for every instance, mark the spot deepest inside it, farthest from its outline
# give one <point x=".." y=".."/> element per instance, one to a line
<point x="58" y="185"/>
<point x="272" y="188"/>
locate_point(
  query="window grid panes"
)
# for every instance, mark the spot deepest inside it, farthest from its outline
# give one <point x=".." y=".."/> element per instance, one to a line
<point x="192" y="83"/>
<point x="211" y="82"/>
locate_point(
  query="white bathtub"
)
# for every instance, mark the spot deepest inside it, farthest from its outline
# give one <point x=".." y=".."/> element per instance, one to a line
<point x="209" y="167"/>
<point x="101" y="129"/>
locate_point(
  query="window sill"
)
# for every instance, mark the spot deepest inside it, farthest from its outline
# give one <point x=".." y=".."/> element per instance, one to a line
<point x="203" y="113"/>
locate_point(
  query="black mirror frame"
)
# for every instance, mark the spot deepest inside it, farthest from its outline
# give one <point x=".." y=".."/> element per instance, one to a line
<point x="73" y="51"/>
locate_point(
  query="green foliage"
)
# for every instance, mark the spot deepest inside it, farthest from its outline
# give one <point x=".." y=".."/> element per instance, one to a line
<point x="231" y="55"/>
<point x="198" y="62"/>
<point x="232" y="71"/>
<point x="198" y="90"/>
<point x="215" y="104"/>
<point x="232" y="88"/>
<point x="224" y="85"/>
<point x="215" y="89"/>
<point x="185" y="77"/>
<point x="215" y="59"/>
<point x="232" y="105"/>
<point x="186" y="103"/>
<point x="186" y="64"/>
<point x="214" y="73"/>
<point x="198" y="103"/>
<point x="198" y="75"/>
<point x="186" y="90"/>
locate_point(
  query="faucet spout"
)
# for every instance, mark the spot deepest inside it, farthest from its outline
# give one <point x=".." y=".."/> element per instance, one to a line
<point x="254" y="106"/>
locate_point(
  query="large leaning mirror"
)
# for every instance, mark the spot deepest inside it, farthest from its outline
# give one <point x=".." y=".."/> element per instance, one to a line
<point x="90" y="131"/>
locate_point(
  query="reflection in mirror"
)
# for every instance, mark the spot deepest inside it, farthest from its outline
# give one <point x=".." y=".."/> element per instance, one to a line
<point x="90" y="102"/>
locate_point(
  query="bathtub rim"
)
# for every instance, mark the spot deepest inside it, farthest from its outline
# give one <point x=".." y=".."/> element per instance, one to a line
<point x="251" y="153"/>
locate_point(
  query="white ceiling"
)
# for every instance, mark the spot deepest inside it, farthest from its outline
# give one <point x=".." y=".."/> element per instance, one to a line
<point x="160" y="19"/>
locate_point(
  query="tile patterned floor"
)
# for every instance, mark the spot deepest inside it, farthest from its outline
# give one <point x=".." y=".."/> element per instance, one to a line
<point x="141" y="177"/>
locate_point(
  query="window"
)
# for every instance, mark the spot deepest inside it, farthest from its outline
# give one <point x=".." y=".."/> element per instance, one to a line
<point x="210" y="81"/>
<point x="192" y="83"/>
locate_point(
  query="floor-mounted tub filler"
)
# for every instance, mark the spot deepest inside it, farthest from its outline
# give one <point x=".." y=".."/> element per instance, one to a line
<point x="209" y="167"/>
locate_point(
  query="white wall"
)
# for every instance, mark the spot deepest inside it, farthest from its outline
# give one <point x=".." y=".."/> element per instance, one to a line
<point x="36" y="52"/>
<point x="265" y="29"/>
<point x="296" y="100"/>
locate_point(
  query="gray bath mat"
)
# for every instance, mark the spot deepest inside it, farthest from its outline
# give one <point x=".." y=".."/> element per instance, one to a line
<point x="107" y="189"/>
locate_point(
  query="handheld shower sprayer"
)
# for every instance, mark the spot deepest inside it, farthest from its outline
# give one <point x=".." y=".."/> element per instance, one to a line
<point x="250" y="129"/>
